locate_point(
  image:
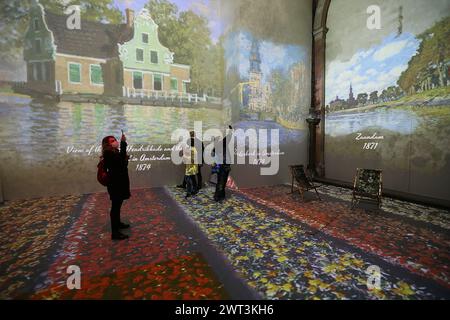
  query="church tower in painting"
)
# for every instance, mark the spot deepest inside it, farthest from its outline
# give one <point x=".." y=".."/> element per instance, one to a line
<point x="351" y="98"/>
<point x="255" y="102"/>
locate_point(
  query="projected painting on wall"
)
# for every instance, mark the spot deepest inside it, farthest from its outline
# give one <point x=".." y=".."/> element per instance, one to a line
<point x="70" y="78"/>
<point x="388" y="94"/>
<point x="267" y="83"/>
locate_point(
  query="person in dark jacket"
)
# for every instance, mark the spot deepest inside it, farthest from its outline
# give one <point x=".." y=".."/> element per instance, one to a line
<point x="224" y="160"/>
<point x="198" y="143"/>
<point x="116" y="164"/>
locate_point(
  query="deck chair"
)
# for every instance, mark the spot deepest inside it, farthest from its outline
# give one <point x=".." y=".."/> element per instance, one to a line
<point x="367" y="185"/>
<point x="301" y="181"/>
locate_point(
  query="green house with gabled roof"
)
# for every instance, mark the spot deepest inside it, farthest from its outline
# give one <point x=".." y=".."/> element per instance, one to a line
<point x="148" y="66"/>
<point x="106" y="59"/>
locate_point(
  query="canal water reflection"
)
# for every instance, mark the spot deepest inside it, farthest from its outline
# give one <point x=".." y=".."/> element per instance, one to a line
<point x="41" y="130"/>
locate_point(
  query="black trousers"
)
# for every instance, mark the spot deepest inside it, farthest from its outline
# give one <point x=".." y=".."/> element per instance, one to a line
<point x="222" y="178"/>
<point x="116" y="205"/>
<point x="199" y="177"/>
<point x="191" y="185"/>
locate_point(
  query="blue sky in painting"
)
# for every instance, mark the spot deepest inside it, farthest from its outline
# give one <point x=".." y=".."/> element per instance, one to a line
<point x="273" y="56"/>
<point x="139" y="4"/>
<point x="201" y="7"/>
<point x="372" y="69"/>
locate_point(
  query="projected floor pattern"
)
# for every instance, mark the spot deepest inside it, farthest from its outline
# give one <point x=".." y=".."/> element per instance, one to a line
<point x="162" y="262"/>
<point x="291" y="258"/>
<point x="260" y="242"/>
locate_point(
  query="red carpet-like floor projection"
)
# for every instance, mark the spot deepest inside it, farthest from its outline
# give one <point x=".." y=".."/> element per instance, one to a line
<point x="161" y="262"/>
<point x="259" y="243"/>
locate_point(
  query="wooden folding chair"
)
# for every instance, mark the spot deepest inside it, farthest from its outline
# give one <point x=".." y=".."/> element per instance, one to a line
<point x="301" y="181"/>
<point x="367" y="185"/>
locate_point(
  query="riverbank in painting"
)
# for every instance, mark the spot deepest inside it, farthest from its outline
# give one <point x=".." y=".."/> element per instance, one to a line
<point x="438" y="97"/>
<point x="41" y="142"/>
<point x="414" y="149"/>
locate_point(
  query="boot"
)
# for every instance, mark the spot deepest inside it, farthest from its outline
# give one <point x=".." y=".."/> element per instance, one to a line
<point x="119" y="236"/>
<point x="124" y="225"/>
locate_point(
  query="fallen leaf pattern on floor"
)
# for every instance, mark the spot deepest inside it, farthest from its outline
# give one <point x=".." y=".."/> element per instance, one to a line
<point x="283" y="259"/>
<point x="29" y="231"/>
<point x="281" y="248"/>
<point x="158" y="262"/>
<point x="427" y="214"/>
<point x="421" y="248"/>
<point x="183" y="278"/>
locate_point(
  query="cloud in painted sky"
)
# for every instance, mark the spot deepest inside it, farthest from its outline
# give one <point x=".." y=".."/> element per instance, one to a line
<point x="368" y="70"/>
<point x="201" y="8"/>
<point x="390" y="50"/>
<point x="127" y="3"/>
<point x="206" y="8"/>
<point x="347" y="21"/>
<point x="273" y="56"/>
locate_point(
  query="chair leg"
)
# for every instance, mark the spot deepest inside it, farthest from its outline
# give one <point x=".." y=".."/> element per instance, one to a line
<point x="301" y="193"/>
<point x="317" y="193"/>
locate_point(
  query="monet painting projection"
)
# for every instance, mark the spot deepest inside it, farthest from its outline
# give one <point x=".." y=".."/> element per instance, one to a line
<point x="267" y="78"/>
<point x="73" y="75"/>
<point x="388" y="93"/>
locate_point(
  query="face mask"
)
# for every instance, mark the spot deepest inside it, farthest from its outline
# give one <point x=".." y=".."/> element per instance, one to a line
<point x="115" y="144"/>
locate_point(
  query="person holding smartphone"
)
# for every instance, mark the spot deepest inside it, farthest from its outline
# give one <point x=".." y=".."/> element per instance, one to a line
<point x="223" y="160"/>
<point x="116" y="164"/>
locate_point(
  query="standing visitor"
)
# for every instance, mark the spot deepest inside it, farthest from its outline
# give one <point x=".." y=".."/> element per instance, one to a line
<point x="191" y="169"/>
<point x="224" y="160"/>
<point x="115" y="164"/>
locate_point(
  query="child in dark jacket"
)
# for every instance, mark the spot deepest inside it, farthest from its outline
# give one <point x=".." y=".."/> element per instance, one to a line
<point x="191" y="170"/>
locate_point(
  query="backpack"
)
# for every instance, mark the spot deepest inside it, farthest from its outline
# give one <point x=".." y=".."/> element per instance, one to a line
<point x="102" y="174"/>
